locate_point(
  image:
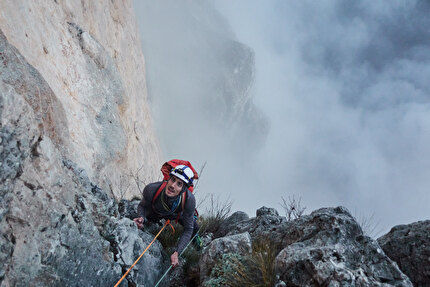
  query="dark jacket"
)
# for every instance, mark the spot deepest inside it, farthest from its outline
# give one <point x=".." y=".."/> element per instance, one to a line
<point x="156" y="211"/>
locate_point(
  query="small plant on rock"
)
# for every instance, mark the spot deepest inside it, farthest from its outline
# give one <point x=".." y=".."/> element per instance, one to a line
<point x="215" y="214"/>
<point x="293" y="207"/>
<point x="368" y="224"/>
<point x="256" y="269"/>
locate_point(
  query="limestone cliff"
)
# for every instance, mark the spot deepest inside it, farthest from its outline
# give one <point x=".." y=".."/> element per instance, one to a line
<point x="93" y="103"/>
<point x="74" y="124"/>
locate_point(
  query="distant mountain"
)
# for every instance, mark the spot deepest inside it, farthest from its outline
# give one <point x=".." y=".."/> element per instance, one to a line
<point x="196" y="67"/>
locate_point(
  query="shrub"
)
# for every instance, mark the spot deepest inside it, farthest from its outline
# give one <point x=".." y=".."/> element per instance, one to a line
<point x="293" y="207"/>
<point x="368" y="224"/>
<point x="255" y="270"/>
<point x="167" y="238"/>
<point x="223" y="270"/>
<point x="216" y="212"/>
<point x="191" y="267"/>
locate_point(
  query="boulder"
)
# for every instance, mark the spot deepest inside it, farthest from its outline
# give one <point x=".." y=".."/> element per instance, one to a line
<point x="267" y="224"/>
<point x="231" y="222"/>
<point x="328" y="248"/>
<point x="238" y="243"/>
<point x="409" y="246"/>
<point x="128" y="243"/>
<point x="267" y="211"/>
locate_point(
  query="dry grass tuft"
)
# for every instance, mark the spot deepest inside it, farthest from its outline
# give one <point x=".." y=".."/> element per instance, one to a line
<point x="255" y="270"/>
<point x="215" y="214"/>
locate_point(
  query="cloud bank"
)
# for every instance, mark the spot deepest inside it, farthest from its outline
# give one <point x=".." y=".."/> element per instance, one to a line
<point x="344" y="87"/>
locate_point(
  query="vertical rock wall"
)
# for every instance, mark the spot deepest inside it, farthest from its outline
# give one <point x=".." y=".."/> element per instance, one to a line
<point x="74" y="124"/>
<point x="96" y="110"/>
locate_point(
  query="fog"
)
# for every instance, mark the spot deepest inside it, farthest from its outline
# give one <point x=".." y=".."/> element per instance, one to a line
<point x="336" y="101"/>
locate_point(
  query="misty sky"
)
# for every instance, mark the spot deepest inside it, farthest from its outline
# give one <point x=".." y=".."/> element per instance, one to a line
<point x="344" y="87"/>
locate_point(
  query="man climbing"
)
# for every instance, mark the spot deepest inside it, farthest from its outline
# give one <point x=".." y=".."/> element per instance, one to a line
<point x="171" y="200"/>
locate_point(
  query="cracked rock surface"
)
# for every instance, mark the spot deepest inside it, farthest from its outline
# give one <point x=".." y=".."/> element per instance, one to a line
<point x="325" y="248"/>
<point x="57" y="227"/>
<point x="409" y="246"/>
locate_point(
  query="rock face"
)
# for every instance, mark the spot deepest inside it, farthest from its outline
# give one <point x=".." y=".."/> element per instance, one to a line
<point x="332" y="250"/>
<point x="409" y="246"/>
<point x="57" y="227"/>
<point x="93" y="99"/>
<point x="325" y="248"/>
<point x="74" y="118"/>
<point x="238" y="243"/>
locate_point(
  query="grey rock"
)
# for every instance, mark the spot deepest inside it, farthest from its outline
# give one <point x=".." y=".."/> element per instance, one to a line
<point x="54" y="221"/>
<point x="128" y="208"/>
<point x="82" y="257"/>
<point x="207" y="238"/>
<point x="85" y="84"/>
<point x="231" y="222"/>
<point x="267" y="211"/>
<point x="19" y="77"/>
<point x="58" y="225"/>
<point x="105" y="93"/>
<point x="409" y="246"/>
<point x="267" y="224"/>
<point x="238" y="243"/>
<point x="130" y="243"/>
<point x="328" y="248"/>
<point x="10" y="155"/>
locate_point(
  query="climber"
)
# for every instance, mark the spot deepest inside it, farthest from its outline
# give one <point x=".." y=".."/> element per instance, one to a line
<point x="171" y="200"/>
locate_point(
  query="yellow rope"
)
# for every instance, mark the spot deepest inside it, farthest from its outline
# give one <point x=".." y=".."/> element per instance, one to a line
<point x="126" y="273"/>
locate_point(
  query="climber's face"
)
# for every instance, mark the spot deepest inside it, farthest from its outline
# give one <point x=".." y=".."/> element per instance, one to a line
<point x="174" y="186"/>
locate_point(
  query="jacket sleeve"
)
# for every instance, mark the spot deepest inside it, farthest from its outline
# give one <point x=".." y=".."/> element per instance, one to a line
<point x="188" y="221"/>
<point x="146" y="203"/>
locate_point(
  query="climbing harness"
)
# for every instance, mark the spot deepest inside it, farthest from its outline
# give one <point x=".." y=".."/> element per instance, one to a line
<point x="170" y="267"/>
<point x="126" y="273"/>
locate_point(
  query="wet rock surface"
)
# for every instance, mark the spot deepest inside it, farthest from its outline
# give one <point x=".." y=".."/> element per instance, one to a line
<point x="409" y="246"/>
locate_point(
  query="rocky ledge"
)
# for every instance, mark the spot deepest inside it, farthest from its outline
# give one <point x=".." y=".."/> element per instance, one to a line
<point x="325" y="248"/>
<point x="409" y="246"/>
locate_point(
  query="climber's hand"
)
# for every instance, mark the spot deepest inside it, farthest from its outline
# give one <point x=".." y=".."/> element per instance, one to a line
<point x="139" y="222"/>
<point x="174" y="259"/>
